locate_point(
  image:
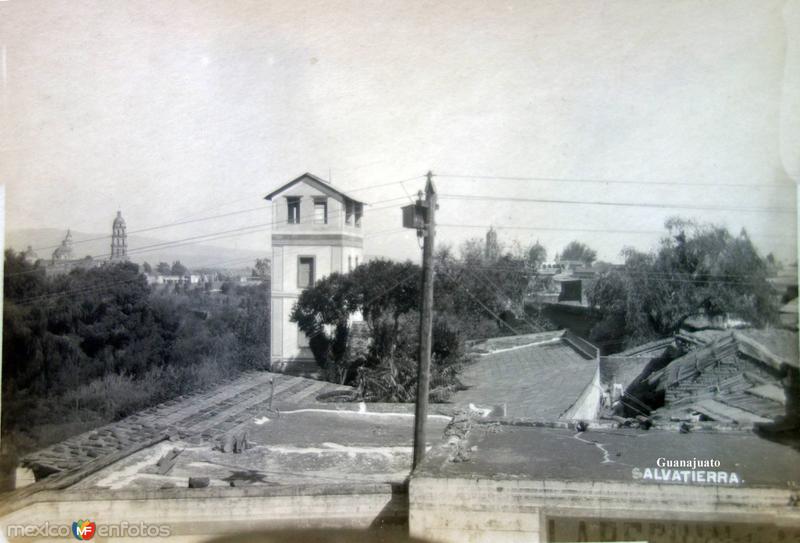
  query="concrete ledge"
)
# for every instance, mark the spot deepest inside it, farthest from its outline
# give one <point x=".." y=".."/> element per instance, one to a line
<point x="216" y="510"/>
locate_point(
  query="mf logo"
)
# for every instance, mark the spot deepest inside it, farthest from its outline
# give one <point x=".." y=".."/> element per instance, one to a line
<point x="83" y="530"/>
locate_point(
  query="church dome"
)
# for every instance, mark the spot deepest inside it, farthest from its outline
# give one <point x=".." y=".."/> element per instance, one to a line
<point x="119" y="221"/>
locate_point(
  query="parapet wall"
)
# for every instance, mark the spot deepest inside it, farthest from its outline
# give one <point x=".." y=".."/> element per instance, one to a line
<point x="204" y="513"/>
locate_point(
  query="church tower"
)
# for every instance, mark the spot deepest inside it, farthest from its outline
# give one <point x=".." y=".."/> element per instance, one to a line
<point x="64" y="251"/>
<point x="316" y="231"/>
<point x="119" y="239"/>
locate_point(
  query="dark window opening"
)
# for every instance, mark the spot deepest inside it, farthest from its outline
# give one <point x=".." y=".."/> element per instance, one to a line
<point x="305" y="272"/>
<point x="294" y="209"/>
<point x="348" y="213"/>
<point x="359" y="213"/>
<point x="320" y="211"/>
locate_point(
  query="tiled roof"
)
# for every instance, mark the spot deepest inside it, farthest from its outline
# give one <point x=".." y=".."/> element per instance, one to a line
<point x="540" y="381"/>
<point x="730" y="379"/>
<point x="199" y="417"/>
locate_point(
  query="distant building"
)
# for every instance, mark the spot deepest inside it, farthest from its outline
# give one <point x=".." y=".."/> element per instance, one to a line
<point x="316" y="231"/>
<point x="63" y="261"/>
<point x="63" y="258"/>
<point x="492" y="247"/>
<point x="549" y="268"/>
<point x="63" y="252"/>
<point x="569" y="265"/>
<point x="186" y="279"/>
<point x="119" y="239"/>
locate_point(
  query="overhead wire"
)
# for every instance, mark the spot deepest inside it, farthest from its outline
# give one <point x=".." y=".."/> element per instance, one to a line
<point x="483" y="198"/>
<point x="614" y="181"/>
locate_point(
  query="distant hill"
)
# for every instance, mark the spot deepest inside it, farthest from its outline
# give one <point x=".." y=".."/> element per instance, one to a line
<point x="44" y="241"/>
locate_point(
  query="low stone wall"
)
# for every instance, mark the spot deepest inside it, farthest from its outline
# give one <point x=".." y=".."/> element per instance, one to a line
<point x="204" y="513"/>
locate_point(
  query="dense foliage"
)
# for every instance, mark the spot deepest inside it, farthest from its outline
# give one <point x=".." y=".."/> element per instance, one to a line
<point x="383" y="292"/>
<point x="484" y="294"/>
<point x="84" y="348"/>
<point x="697" y="269"/>
<point x="578" y="251"/>
<point x="474" y="297"/>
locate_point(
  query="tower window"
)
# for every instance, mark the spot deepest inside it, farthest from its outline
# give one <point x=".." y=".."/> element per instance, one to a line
<point x="359" y="213"/>
<point x="348" y="212"/>
<point x="294" y="209"/>
<point x="305" y="272"/>
<point x="320" y="211"/>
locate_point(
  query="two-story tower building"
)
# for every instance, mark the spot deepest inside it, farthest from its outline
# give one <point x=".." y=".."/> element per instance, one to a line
<point x="317" y="230"/>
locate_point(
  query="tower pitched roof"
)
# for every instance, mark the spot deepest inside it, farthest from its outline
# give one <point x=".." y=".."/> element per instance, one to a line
<point x="315" y="182"/>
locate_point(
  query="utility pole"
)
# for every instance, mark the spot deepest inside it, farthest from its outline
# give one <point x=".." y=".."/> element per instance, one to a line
<point x="428" y="212"/>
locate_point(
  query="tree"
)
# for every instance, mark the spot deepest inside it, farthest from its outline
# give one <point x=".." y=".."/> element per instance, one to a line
<point x="21" y="279"/>
<point x="380" y="359"/>
<point x="147" y="268"/>
<point x="697" y="268"/>
<point x="322" y="312"/>
<point x="261" y="269"/>
<point x="537" y="255"/>
<point x="472" y="251"/>
<point x="379" y="289"/>
<point x="576" y="250"/>
<point x="178" y="269"/>
<point x="163" y="268"/>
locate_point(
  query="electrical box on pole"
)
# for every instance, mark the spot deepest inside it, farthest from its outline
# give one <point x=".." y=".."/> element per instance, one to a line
<point x="414" y="216"/>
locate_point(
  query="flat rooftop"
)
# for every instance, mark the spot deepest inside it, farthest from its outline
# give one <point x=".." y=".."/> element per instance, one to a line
<point x="524" y="451"/>
<point x="304" y="446"/>
<point x="293" y="438"/>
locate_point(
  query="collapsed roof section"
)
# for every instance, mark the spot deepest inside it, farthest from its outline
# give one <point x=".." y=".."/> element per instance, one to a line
<point x="730" y="377"/>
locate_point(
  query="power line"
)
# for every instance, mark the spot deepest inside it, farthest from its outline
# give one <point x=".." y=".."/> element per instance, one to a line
<point x="158" y="227"/>
<point x="468" y="197"/>
<point x="213" y="236"/>
<point x="184" y="222"/>
<point x="492" y="313"/>
<point x="387" y="184"/>
<point x="586" y="230"/>
<point x="657" y="275"/>
<point x="617" y="181"/>
<point x="90" y="288"/>
<point x="499" y="291"/>
<point x="106" y="285"/>
<point x="618" y="269"/>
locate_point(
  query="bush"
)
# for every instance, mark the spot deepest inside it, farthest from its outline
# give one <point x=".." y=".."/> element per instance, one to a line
<point x="390" y="374"/>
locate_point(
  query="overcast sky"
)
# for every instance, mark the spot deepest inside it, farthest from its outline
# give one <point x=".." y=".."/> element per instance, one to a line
<point x="171" y="110"/>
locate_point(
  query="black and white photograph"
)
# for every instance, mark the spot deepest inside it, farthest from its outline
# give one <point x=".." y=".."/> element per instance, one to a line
<point x="422" y="271"/>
